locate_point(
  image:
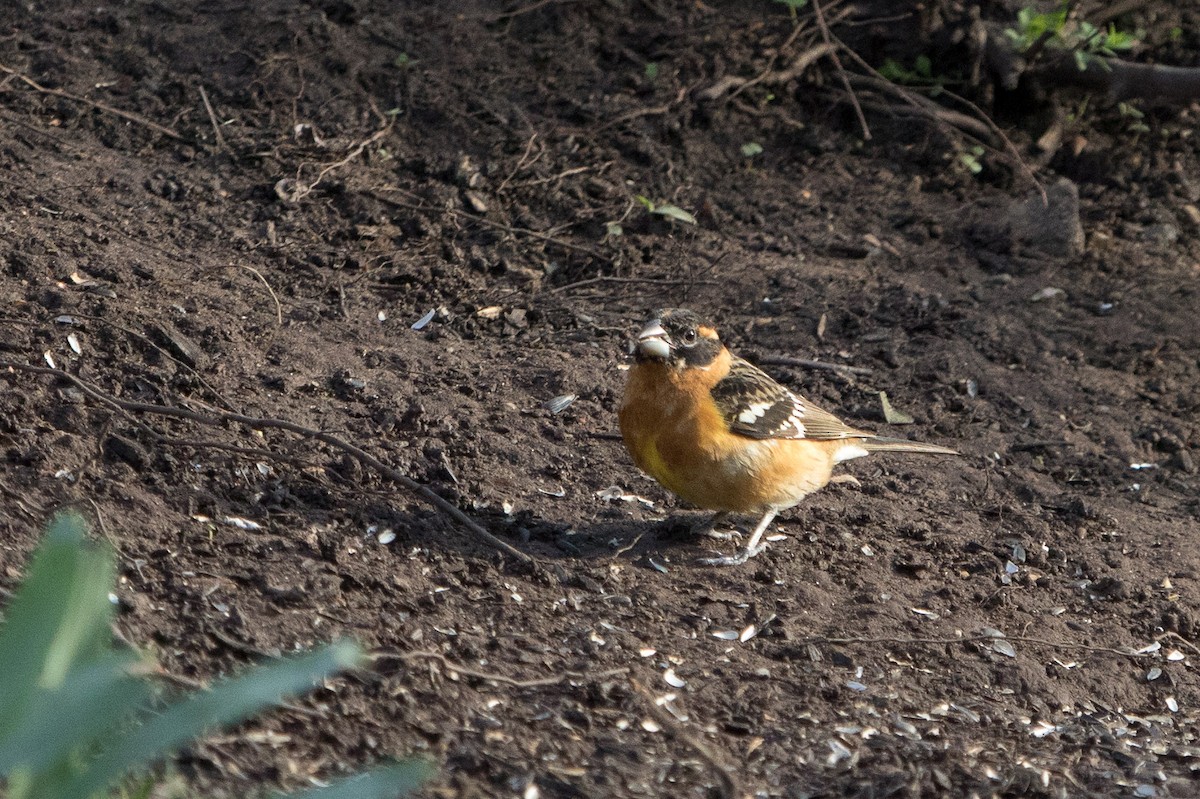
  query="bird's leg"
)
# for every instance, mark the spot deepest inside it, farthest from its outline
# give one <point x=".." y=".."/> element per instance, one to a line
<point x="753" y="547"/>
<point x="708" y="527"/>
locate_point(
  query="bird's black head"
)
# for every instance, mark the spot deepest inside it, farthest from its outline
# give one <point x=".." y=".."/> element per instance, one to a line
<point x="678" y="338"/>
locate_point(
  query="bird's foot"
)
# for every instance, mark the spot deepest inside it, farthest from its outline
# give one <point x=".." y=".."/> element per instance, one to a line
<point x="846" y="478"/>
<point x="741" y="557"/>
<point x="708" y="529"/>
<point x="720" y="535"/>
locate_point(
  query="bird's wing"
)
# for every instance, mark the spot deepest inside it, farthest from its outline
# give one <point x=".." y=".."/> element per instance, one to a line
<point x="756" y="406"/>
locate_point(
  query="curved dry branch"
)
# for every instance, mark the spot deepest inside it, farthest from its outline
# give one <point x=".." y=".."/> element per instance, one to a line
<point x="215" y="418"/>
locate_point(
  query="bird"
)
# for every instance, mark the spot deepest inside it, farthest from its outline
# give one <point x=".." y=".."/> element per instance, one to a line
<point x="723" y="435"/>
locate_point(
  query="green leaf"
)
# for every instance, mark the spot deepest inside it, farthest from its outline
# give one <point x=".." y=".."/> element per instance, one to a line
<point x="675" y="212"/>
<point x="387" y="782"/>
<point x="59" y="616"/>
<point x="751" y="149"/>
<point x="646" y="201"/>
<point x="227" y="702"/>
<point x="892" y="415"/>
<point x="923" y="66"/>
<point x="651" y="71"/>
<point x="86" y="710"/>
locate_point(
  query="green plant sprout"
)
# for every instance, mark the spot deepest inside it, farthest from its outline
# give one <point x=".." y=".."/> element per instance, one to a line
<point x="1056" y="30"/>
<point x="972" y="158"/>
<point x="793" y="6"/>
<point x="79" y="717"/>
<point x="668" y="210"/>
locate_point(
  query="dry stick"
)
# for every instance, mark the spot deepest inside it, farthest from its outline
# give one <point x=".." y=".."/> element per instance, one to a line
<point x="827" y="35"/>
<point x="303" y="191"/>
<point x="804" y="363"/>
<point x="517" y="231"/>
<point x="162" y="351"/>
<point x="643" y="112"/>
<point x="93" y="103"/>
<point x="212" y="117"/>
<point x="467" y="671"/>
<point x="912" y="98"/>
<point x="970" y="639"/>
<point x="217" y="418"/>
<point x="730" y="789"/>
<point x="271" y="291"/>
<point x="769" y="78"/>
<point x="613" y="279"/>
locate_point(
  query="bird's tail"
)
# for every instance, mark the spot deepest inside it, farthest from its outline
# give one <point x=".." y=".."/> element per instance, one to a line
<point x="885" y="444"/>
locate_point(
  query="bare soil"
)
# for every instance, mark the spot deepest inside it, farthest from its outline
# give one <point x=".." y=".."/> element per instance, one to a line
<point x="292" y="189"/>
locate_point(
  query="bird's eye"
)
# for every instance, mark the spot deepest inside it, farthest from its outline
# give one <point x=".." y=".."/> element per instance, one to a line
<point x="689" y="336"/>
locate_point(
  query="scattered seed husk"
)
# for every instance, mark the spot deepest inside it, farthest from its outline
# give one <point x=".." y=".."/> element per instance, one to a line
<point x="613" y="493"/>
<point x="240" y="523"/>
<point x="855" y="685"/>
<point x="424" y="320"/>
<point x="748" y="633"/>
<point x="490" y="313"/>
<point x="1172" y="704"/>
<point x="647" y="651"/>
<point x="1175" y="655"/>
<point x="1149" y="648"/>
<point x="658" y="567"/>
<point x="1153" y="674"/>
<point x="650" y="725"/>
<point x="1048" y="293"/>
<point x="672" y="679"/>
<point x="890" y="414"/>
<point x="386" y="537"/>
<point x="726" y="635"/>
<point x="1004" y="648"/>
<point x="929" y="614"/>
<point x="49" y="357"/>
<point x="66" y="320"/>
<point x="560" y="403"/>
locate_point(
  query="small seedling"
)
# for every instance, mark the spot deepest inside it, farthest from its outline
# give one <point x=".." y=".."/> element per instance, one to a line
<point x="793" y="6"/>
<point x="751" y="149"/>
<point x="651" y="71"/>
<point x="972" y="159"/>
<point x="1132" y="113"/>
<point x="1055" y="29"/>
<point x="668" y="210"/>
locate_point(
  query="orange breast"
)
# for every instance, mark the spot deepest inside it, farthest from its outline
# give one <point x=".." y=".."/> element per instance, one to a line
<point x="682" y="441"/>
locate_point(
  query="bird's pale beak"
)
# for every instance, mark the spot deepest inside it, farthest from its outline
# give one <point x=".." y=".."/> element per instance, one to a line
<point x="652" y="341"/>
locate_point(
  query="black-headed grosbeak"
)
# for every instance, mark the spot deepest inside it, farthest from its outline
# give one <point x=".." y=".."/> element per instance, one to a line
<point x="721" y="434"/>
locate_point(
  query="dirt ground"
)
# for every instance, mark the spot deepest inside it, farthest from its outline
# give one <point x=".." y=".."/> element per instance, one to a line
<point x="254" y="213"/>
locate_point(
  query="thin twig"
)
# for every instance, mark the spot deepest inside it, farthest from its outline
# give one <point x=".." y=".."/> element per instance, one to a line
<point x="971" y="639"/>
<point x="517" y="231"/>
<point x="827" y="35"/>
<point x="212" y="117"/>
<point x="643" y="112"/>
<point x="217" y="418"/>
<point x="93" y="103"/>
<point x="271" y="291"/>
<point x="503" y="679"/>
<point x="804" y="363"/>
<point x="613" y="279"/>
<point x="300" y="192"/>
<point x="726" y="774"/>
